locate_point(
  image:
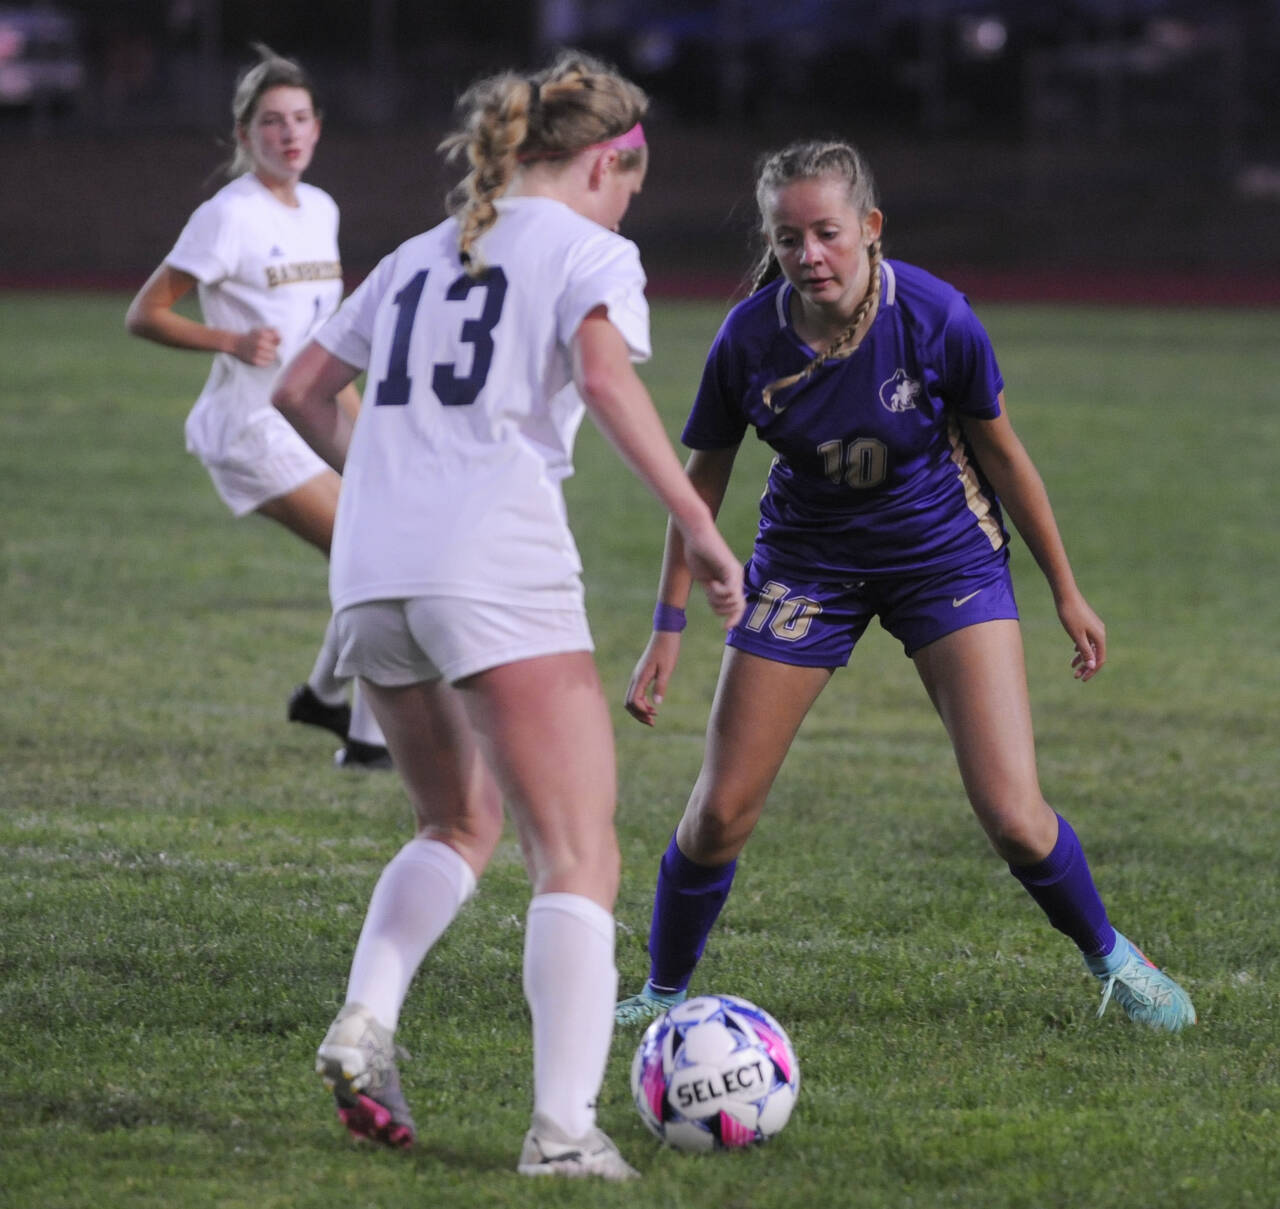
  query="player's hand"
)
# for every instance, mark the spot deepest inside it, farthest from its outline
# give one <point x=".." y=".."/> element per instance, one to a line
<point x="258" y="346"/>
<point x="652" y="673"/>
<point x="1086" y="630"/>
<point x="713" y="566"/>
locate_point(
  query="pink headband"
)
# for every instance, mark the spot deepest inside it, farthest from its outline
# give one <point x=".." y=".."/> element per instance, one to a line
<point x="621" y="142"/>
<point x="625" y="141"/>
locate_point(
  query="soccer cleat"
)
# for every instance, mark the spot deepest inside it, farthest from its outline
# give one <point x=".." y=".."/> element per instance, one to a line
<point x="548" y="1151"/>
<point x="366" y="756"/>
<point x="306" y="707"/>
<point x="646" y="1006"/>
<point x="1146" y="993"/>
<point x="357" y="1061"/>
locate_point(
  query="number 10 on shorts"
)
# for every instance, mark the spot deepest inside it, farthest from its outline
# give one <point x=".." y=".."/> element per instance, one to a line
<point x="788" y="617"/>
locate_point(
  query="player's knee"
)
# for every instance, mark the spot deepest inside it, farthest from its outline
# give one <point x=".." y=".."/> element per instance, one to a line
<point x="591" y="866"/>
<point x="715" y="827"/>
<point x="472" y="827"/>
<point x="1021" y="836"/>
<point x="474" y="843"/>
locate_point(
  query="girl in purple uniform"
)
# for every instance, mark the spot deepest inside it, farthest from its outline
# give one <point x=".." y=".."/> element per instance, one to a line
<point x="877" y="388"/>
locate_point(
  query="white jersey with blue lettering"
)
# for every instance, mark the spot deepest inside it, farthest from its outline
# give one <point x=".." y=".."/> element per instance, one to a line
<point x="258" y="263"/>
<point x="453" y="480"/>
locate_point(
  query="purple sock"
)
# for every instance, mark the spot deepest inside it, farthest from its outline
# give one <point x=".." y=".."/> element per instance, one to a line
<point x="1063" y="886"/>
<point x="686" y="904"/>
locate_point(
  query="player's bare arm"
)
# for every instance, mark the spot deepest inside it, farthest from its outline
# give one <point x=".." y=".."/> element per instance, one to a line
<point x="307" y="395"/>
<point x="1011" y="472"/>
<point x="622" y="409"/>
<point x="151" y="316"/>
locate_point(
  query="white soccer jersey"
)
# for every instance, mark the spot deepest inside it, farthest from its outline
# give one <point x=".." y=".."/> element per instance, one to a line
<point x="452" y="484"/>
<point x="259" y="263"/>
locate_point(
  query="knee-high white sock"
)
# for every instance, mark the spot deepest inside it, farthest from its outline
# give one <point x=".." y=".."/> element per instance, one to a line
<point x="416" y="898"/>
<point x="571" y="984"/>
<point x="364" y="726"/>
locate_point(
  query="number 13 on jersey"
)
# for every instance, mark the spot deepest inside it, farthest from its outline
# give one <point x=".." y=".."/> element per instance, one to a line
<point x="451" y="389"/>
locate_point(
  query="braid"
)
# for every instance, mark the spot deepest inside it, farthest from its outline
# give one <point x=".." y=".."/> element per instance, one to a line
<point x="846" y="343"/>
<point x="498" y="122"/>
<point x="509" y="119"/>
<point x="766" y="269"/>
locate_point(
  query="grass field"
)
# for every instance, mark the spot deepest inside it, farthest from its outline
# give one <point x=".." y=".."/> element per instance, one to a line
<point x="185" y="874"/>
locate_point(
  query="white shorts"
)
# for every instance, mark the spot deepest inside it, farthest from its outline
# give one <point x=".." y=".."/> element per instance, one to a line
<point x="398" y="642"/>
<point x="267" y="459"/>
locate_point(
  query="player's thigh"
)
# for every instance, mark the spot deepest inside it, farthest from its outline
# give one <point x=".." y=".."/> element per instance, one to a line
<point x="428" y="733"/>
<point x="758" y="708"/>
<point x="545" y="728"/>
<point x="454" y="795"/>
<point x="266" y="467"/>
<point x="308" y="510"/>
<point x="977" y="680"/>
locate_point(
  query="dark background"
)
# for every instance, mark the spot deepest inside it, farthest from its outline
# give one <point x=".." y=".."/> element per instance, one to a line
<point x="1106" y="147"/>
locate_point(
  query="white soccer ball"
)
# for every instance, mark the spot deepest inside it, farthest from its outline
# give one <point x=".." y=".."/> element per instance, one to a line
<point x="715" y="1073"/>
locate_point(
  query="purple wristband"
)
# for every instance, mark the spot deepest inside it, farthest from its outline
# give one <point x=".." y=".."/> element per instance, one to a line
<point x="669" y="618"/>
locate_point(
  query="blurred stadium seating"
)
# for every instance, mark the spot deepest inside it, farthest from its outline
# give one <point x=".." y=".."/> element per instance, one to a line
<point x="1087" y="140"/>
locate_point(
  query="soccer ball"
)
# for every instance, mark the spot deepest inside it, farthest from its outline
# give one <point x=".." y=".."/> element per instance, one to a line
<point x="715" y="1073"/>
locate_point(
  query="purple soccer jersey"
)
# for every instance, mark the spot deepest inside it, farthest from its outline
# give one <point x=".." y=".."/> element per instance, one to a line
<point x="873" y="476"/>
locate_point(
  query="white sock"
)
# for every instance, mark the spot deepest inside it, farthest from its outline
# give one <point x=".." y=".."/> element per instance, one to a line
<point x="324" y="679"/>
<point x="364" y="726"/>
<point x="416" y="898"/>
<point x="571" y="984"/>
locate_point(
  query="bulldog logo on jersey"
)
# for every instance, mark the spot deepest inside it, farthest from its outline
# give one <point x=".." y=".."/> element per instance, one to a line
<point x="899" y="393"/>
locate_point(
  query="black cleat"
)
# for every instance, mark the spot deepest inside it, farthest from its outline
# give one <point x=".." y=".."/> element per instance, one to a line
<point x="362" y="755"/>
<point x="306" y="707"/>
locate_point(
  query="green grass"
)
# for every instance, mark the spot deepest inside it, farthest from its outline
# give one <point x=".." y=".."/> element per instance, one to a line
<point x="185" y="874"/>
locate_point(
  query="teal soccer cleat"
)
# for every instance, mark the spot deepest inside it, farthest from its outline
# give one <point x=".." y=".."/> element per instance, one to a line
<point x="1146" y="993"/>
<point x="646" y="1006"/>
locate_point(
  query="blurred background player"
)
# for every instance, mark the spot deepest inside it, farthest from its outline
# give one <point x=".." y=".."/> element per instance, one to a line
<point x="456" y="582"/>
<point x="263" y="256"/>
<point x="877" y="388"/>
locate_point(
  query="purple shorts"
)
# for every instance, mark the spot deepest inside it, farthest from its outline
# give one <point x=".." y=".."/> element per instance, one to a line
<point x="817" y="624"/>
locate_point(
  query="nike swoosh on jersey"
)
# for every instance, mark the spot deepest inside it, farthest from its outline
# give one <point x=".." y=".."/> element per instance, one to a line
<point x="956" y="602"/>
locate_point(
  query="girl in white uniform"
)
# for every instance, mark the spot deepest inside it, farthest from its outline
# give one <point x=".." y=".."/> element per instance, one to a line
<point x="262" y="254"/>
<point x="455" y="579"/>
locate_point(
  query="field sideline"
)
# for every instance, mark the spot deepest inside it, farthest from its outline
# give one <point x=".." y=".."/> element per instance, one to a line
<point x="185" y="873"/>
<point x="1105" y="286"/>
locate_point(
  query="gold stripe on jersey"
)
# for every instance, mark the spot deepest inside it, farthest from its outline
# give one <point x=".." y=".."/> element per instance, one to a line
<point x="304" y="270"/>
<point x="978" y="501"/>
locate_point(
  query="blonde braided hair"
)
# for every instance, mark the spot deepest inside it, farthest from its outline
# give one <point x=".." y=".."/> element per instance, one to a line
<point x="811" y="160"/>
<point x="507" y="120"/>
